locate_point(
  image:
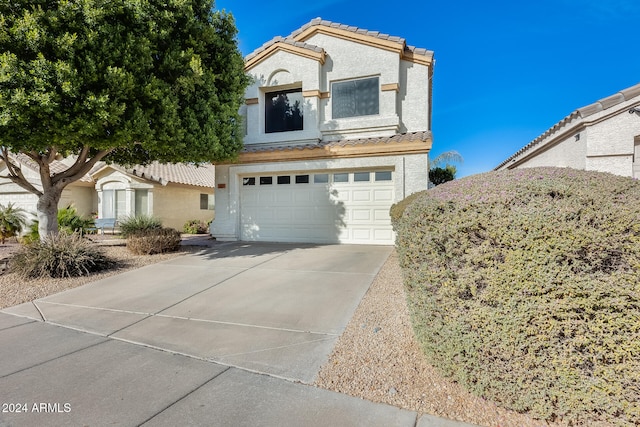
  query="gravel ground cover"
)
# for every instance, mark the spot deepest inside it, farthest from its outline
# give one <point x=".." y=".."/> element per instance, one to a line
<point x="15" y="290"/>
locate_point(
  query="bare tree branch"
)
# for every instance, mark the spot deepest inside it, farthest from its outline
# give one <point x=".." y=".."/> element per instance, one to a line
<point x="15" y="174"/>
<point x="81" y="166"/>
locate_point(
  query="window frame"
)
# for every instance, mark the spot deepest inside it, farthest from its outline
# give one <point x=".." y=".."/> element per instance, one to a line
<point x="270" y="121"/>
<point x="335" y="98"/>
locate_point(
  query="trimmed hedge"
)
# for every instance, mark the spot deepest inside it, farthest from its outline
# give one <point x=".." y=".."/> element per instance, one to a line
<point x="524" y="286"/>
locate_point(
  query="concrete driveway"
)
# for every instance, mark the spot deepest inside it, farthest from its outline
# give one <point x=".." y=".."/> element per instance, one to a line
<point x="270" y="308"/>
<point x="225" y="337"/>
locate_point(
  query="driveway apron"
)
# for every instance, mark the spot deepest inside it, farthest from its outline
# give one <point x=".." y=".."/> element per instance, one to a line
<point x="276" y="309"/>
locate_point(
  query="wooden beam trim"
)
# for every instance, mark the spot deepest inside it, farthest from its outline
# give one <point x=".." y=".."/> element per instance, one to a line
<point x="337" y="152"/>
<point x="251" y="101"/>
<point x="390" y="87"/>
<point x="271" y="50"/>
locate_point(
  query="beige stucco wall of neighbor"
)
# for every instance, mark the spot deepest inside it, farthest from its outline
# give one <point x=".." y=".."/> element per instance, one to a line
<point x="410" y="176"/>
<point x="567" y="153"/>
<point x="609" y="130"/>
<point x="176" y="204"/>
<point x="84" y="199"/>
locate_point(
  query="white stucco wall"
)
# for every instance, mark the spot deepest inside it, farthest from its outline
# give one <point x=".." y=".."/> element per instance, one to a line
<point x="402" y="110"/>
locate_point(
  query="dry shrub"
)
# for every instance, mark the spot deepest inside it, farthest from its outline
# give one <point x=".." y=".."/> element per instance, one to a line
<point x="524" y="287"/>
<point x="154" y="241"/>
<point x="64" y="255"/>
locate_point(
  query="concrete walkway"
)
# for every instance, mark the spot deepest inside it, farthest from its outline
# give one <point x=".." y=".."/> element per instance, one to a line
<point x="230" y="336"/>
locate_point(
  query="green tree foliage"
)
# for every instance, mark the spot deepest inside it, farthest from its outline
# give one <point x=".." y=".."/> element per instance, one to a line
<point x="127" y="82"/>
<point x="440" y="170"/>
<point x="12" y="221"/>
<point x="439" y="175"/>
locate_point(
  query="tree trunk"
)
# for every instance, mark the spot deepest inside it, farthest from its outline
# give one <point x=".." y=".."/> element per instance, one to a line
<point x="48" y="212"/>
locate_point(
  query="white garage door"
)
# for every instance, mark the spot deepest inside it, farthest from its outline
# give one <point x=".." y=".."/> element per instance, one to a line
<point x="320" y="207"/>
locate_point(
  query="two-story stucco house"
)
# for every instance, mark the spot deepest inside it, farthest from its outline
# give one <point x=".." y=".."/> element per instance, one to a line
<point x="337" y="129"/>
<point x="603" y="136"/>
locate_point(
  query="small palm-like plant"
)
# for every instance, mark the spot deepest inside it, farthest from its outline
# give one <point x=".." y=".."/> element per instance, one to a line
<point x="12" y="221"/>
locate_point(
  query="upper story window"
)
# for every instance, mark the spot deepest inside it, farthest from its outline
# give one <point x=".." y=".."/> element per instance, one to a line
<point x="283" y="110"/>
<point x="355" y="98"/>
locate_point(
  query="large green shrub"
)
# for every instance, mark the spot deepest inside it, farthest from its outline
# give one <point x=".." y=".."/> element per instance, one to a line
<point x="154" y="241"/>
<point x="64" y="255"/>
<point x="139" y="223"/>
<point x="524" y="286"/>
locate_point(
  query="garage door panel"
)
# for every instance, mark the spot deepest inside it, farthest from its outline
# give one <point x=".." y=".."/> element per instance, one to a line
<point x="347" y="212"/>
<point x="361" y="195"/>
<point x="361" y="214"/>
<point x="385" y="195"/>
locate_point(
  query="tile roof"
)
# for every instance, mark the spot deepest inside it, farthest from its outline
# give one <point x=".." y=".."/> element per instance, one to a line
<point x="55" y="167"/>
<point x="422" y="136"/>
<point x="177" y="173"/>
<point x="576" y="116"/>
<point x="292" y="39"/>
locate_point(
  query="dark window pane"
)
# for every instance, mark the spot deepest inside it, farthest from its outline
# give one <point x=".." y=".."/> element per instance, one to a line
<point x="204" y="201"/>
<point x="284" y="179"/>
<point x="249" y="181"/>
<point x="266" y="180"/>
<point x="361" y="176"/>
<point x="302" y="179"/>
<point x="383" y="176"/>
<point x="283" y="110"/>
<point x="355" y="98"/>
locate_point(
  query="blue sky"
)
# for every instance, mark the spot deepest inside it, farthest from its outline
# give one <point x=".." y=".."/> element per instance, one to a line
<point x="505" y="71"/>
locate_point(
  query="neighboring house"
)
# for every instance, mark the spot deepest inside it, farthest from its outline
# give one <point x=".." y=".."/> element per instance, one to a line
<point x="337" y="129"/>
<point x="175" y="193"/>
<point x="603" y="136"/>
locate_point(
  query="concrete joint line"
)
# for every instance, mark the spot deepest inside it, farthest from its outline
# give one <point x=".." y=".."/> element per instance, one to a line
<point x="18" y="325"/>
<point x="217" y="284"/>
<point x="55" y="358"/>
<point x="274" y="348"/>
<point x="115" y="310"/>
<point x="247" y="325"/>
<point x="184" y="397"/>
<point x="39" y="311"/>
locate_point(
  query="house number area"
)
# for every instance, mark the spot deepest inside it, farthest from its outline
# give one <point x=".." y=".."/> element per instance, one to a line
<point x="39" y="407"/>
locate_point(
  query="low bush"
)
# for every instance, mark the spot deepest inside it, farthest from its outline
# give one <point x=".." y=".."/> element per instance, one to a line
<point x="64" y="255"/>
<point x="195" y="226"/>
<point x="524" y="287"/>
<point x="154" y="241"/>
<point x="140" y="223"/>
<point x="70" y="221"/>
<point x="12" y="221"/>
